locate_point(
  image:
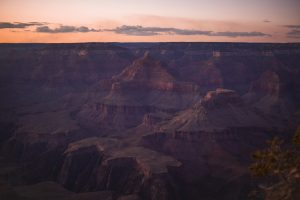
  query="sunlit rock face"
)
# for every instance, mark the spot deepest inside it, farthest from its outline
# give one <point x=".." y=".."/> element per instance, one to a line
<point x="141" y="121"/>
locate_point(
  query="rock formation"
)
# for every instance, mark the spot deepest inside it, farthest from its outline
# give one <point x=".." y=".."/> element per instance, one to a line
<point x="141" y="121"/>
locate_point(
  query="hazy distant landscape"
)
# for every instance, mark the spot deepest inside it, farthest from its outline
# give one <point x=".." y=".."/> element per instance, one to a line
<point x="146" y="121"/>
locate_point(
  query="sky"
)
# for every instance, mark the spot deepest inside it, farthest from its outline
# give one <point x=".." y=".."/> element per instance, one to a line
<point x="47" y="21"/>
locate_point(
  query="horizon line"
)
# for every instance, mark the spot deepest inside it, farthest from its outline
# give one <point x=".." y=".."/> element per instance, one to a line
<point x="146" y="42"/>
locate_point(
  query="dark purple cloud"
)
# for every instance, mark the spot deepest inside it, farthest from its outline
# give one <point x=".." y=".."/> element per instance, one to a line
<point x="4" y="25"/>
<point x="64" y="29"/>
<point x="151" y="31"/>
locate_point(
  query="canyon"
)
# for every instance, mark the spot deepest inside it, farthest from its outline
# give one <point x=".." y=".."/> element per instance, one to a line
<point x="141" y="121"/>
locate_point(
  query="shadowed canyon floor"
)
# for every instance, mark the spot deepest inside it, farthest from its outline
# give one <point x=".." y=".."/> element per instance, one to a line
<point x="156" y="121"/>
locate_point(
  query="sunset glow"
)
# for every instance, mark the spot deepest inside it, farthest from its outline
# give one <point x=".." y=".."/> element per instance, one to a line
<point x="149" y="21"/>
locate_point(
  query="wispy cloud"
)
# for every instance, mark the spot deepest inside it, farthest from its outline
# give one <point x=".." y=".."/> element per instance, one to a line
<point x="65" y="29"/>
<point x="267" y="21"/>
<point x="240" y="34"/>
<point x="151" y="31"/>
<point x="294" y="31"/>
<point x="4" y="25"/>
<point x="292" y="26"/>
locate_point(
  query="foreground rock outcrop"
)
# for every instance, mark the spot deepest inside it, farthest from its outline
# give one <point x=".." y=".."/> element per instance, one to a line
<point x="95" y="164"/>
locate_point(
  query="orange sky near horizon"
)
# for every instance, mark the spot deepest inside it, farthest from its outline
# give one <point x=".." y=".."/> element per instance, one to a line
<point x="158" y="21"/>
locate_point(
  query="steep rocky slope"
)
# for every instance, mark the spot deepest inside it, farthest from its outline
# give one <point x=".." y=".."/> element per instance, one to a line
<point x="217" y="135"/>
<point x="144" y="87"/>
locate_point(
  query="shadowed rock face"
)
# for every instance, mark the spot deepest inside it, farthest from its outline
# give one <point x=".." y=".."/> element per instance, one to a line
<point x="219" y="110"/>
<point x="143" y="87"/>
<point x="145" y="69"/>
<point x="217" y="136"/>
<point x="141" y="121"/>
<point x="268" y="84"/>
<point x="220" y="125"/>
<point x="271" y="93"/>
<point x="108" y="164"/>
